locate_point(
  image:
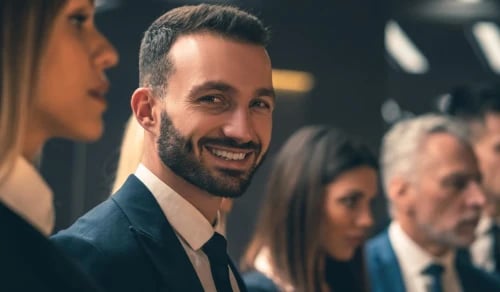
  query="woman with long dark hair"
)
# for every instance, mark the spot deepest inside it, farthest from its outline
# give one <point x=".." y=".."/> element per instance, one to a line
<point x="315" y="216"/>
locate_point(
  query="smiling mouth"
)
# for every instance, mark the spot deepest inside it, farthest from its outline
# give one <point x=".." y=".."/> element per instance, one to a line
<point x="228" y="155"/>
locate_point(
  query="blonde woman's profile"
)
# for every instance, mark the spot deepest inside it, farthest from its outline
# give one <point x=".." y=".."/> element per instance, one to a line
<point x="52" y="84"/>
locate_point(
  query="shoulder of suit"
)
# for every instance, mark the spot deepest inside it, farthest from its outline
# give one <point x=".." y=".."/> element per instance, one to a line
<point x="257" y="281"/>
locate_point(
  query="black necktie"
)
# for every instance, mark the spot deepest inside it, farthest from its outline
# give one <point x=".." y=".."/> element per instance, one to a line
<point x="495" y="234"/>
<point x="434" y="271"/>
<point x="215" y="249"/>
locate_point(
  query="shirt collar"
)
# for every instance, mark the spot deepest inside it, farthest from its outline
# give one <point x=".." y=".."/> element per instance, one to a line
<point x="484" y="226"/>
<point x="26" y="193"/>
<point x="411" y="256"/>
<point x="186" y="220"/>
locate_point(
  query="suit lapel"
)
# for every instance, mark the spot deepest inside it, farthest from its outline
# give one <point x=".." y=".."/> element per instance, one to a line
<point x="389" y="270"/>
<point x="156" y="236"/>
<point x="465" y="273"/>
<point x="171" y="262"/>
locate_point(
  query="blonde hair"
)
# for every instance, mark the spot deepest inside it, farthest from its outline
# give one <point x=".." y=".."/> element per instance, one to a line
<point x="130" y="152"/>
<point x="26" y="25"/>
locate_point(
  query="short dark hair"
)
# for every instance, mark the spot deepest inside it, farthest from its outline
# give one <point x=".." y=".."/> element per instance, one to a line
<point x="471" y="103"/>
<point x="288" y="225"/>
<point x="227" y="21"/>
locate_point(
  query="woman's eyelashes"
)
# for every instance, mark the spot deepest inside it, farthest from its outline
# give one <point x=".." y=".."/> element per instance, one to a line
<point x="351" y="200"/>
<point x="79" y="19"/>
<point x="81" y="15"/>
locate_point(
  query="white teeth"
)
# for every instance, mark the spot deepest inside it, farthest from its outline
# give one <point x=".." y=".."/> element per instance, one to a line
<point x="228" y="155"/>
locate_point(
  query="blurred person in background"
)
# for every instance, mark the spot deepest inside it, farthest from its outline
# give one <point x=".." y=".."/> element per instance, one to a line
<point x="131" y="151"/>
<point x="431" y="178"/>
<point x="52" y="84"/>
<point x="479" y="107"/>
<point x="315" y="216"/>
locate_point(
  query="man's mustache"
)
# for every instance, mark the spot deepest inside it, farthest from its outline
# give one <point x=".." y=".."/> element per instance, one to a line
<point x="228" y="142"/>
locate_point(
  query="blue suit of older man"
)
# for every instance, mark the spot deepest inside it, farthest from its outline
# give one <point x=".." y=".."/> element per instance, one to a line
<point x="386" y="276"/>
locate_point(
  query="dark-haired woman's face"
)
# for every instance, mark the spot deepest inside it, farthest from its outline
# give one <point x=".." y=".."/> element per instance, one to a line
<point x="347" y="215"/>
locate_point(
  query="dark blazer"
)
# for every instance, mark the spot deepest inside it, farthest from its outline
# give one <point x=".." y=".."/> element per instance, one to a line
<point x="257" y="282"/>
<point x="30" y="262"/>
<point x="127" y="244"/>
<point x="385" y="273"/>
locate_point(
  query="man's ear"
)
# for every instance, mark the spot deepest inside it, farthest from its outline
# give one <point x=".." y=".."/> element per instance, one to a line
<point x="144" y="106"/>
<point x="397" y="187"/>
<point x="399" y="192"/>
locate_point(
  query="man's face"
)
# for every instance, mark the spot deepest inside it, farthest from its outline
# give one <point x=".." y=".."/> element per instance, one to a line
<point x="487" y="148"/>
<point x="445" y="199"/>
<point x="217" y="115"/>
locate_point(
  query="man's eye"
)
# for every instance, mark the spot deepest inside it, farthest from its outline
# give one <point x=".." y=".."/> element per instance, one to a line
<point x="210" y="99"/>
<point x="261" y="104"/>
<point x="458" y="184"/>
<point x="496" y="148"/>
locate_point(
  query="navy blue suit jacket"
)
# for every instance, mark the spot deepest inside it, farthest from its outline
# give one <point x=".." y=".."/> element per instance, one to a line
<point x="385" y="274"/>
<point x="30" y="262"/>
<point x="127" y="244"/>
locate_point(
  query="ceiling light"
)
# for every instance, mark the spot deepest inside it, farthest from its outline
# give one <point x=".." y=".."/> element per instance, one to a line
<point x="488" y="39"/>
<point x="403" y="51"/>
<point x="292" y="80"/>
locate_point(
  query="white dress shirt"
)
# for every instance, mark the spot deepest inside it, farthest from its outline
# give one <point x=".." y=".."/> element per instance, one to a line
<point x="191" y="227"/>
<point x="481" y="250"/>
<point x="413" y="260"/>
<point x="25" y="192"/>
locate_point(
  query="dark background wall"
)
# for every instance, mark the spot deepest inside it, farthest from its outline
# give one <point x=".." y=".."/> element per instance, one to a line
<point x="340" y="42"/>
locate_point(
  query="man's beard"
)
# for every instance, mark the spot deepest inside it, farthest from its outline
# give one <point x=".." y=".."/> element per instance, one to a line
<point x="177" y="153"/>
<point x="450" y="238"/>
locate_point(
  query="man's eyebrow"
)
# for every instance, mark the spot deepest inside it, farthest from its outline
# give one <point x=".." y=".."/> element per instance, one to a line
<point x="225" y="87"/>
<point x="266" y="92"/>
<point x="463" y="175"/>
<point x="211" y="85"/>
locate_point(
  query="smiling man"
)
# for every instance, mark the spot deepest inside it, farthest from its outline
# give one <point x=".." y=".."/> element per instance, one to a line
<point x="205" y="102"/>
